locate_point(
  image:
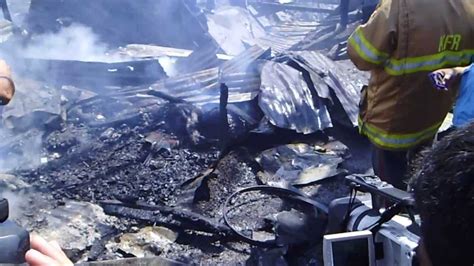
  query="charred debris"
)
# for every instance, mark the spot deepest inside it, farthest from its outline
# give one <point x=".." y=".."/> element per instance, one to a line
<point x="129" y="144"/>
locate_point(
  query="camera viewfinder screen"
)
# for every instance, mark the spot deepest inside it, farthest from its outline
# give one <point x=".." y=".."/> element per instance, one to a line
<point x="354" y="252"/>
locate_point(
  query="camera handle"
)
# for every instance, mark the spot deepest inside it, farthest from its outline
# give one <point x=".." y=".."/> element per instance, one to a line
<point x="402" y="199"/>
<point x="352" y="200"/>
<point x="386" y="216"/>
<point x="14" y="240"/>
<point x="4" y="210"/>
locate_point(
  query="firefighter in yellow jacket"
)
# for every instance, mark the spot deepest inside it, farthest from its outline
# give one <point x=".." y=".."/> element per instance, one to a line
<point x="400" y="44"/>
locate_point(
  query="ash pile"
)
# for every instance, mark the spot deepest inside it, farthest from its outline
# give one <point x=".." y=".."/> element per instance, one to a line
<point x="131" y="127"/>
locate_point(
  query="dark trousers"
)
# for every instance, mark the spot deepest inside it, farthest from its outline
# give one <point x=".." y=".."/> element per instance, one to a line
<point x="392" y="166"/>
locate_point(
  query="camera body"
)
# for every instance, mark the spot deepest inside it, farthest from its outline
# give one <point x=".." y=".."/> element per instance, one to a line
<point x="392" y="238"/>
<point x="14" y="240"/>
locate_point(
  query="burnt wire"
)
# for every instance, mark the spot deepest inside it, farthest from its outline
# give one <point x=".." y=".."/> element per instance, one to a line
<point x="386" y="216"/>
<point x="352" y="198"/>
<point x="281" y="192"/>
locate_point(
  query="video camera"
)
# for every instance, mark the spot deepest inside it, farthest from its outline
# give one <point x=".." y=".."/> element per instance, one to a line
<point x="14" y="240"/>
<point x="362" y="233"/>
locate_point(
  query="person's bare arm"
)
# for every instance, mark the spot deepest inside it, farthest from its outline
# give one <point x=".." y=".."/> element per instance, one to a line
<point x="7" y="86"/>
<point x="45" y="253"/>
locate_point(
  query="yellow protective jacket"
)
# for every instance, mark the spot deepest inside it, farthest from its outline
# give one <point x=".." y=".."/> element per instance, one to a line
<point x="402" y="42"/>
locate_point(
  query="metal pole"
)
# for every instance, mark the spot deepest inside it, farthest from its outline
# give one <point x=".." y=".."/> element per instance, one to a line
<point x="224" y="100"/>
<point x="6" y="11"/>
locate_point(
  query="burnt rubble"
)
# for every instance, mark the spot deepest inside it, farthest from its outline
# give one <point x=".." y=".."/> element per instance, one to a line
<point x="132" y="153"/>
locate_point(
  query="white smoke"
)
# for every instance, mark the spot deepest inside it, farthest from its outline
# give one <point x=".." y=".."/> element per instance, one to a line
<point x="17" y="202"/>
<point x="75" y="42"/>
<point x="24" y="155"/>
<point x="169" y="65"/>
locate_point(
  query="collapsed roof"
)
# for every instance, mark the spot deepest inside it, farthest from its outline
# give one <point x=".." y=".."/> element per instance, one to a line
<point x="295" y="89"/>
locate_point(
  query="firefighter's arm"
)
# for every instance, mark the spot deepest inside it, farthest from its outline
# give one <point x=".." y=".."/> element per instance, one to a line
<point x="372" y="44"/>
<point x="7" y="87"/>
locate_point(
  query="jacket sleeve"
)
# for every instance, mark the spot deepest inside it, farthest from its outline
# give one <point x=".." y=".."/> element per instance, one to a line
<point x="371" y="44"/>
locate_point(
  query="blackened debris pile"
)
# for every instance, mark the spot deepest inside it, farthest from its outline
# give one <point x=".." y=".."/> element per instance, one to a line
<point x="120" y="163"/>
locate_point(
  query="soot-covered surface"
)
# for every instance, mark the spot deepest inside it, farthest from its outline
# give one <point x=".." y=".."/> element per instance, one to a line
<point x="97" y="164"/>
<point x="117" y="163"/>
<point x="104" y="164"/>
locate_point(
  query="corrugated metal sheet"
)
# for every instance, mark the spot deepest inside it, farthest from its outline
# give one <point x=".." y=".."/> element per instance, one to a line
<point x="285" y="25"/>
<point x="288" y="102"/>
<point x="281" y="37"/>
<point x="246" y="29"/>
<point x="240" y="74"/>
<point x="183" y="61"/>
<point x="234" y="29"/>
<point x="278" y="43"/>
<point x="203" y="87"/>
<point x="303" y="3"/>
<point x="323" y="37"/>
<point x="305" y="7"/>
<point x="243" y="61"/>
<point x="201" y="59"/>
<point x="298" y="90"/>
<point x="146" y="50"/>
<point x="345" y="85"/>
<point x="306" y="91"/>
<point x="93" y="74"/>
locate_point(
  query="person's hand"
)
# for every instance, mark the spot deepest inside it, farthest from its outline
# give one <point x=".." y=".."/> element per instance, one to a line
<point x="43" y="253"/>
<point x="7" y="87"/>
<point x="443" y="79"/>
<point x="5" y="69"/>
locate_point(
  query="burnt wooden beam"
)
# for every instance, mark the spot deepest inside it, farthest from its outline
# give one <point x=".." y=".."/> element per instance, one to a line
<point x="168" y="216"/>
<point x="6" y="11"/>
<point x="224" y="100"/>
